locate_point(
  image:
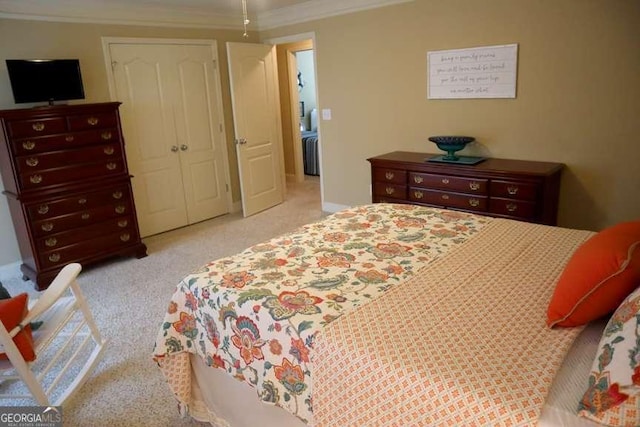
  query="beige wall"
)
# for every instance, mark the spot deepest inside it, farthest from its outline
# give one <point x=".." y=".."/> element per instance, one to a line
<point x="578" y="94"/>
<point x="35" y="39"/>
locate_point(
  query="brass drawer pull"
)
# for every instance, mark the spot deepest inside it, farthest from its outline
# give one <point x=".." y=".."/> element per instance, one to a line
<point x="418" y="179"/>
<point x="417" y="194"/>
<point x="35" y="179"/>
<point x="474" y="202"/>
<point x="28" y="145"/>
<point x="32" y="161"/>
<point x="92" y="121"/>
<point x="111" y="166"/>
<point x="82" y="201"/>
<point x="445" y="181"/>
<point x="38" y="126"/>
<point x="54" y="257"/>
<point x="390" y="190"/>
<point x="47" y="226"/>
<point x="43" y="209"/>
<point x="69" y="138"/>
<point x="445" y="197"/>
<point x="108" y="150"/>
<point x="106" y="135"/>
<point x="123" y="223"/>
<point x="512" y="189"/>
<point x="389" y="175"/>
<point x="117" y="195"/>
<point x="474" y="186"/>
<point x="85" y="216"/>
<point x="512" y="207"/>
<point x="120" y="209"/>
<point x="125" y="237"/>
<point x="51" y="242"/>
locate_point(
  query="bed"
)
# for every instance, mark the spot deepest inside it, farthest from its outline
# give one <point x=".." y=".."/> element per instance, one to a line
<point x="383" y="314"/>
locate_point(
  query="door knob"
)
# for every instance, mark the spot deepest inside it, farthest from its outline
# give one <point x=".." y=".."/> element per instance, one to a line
<point x="174" y="148"/>
<point x="184" y="147"/>
<point x="241" y="141"/>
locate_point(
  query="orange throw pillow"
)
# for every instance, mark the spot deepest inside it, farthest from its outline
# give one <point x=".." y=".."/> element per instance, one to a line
<point x="601" y="273"/>
<point x="12" y="311"/>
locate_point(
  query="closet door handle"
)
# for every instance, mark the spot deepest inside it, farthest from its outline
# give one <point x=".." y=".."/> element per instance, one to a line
<point x="174" y="148"/>
<point x="184" y="147"/>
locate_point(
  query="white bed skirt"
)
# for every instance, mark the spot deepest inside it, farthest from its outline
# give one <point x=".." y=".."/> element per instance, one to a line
<point x="223" y="401"/>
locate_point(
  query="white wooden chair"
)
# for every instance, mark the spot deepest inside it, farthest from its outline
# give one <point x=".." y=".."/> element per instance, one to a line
<point x="69" y="326"/>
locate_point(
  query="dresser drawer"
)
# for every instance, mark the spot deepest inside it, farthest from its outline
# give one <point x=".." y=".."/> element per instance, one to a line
<point x="393" y="176"/>
<point x="56" y="159"/>
<point x="84" y="233"/>
<point x="393" y="191"/>
<point x="81" y="201"/>
<point x="88" y="248"/>
<point x="37" y="127"/>
<point x="514" y="208"/>
<point x="81" y="218"/>
<point x="378" y="199"/>
<point x="514" y="189"/>
<point x="448" y="200"/>
<point x="90" y="121"/>
<point x="49" y="177"/>
<point x="448" y="182"/>
<point x="55" y="142"/>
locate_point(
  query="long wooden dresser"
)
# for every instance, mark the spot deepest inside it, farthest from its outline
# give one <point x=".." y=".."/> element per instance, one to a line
<point x="65" y="176"/>
<point x="517" y="189"/>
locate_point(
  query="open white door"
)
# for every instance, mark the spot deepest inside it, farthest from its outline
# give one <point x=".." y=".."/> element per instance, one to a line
<point x="256" y="116"/>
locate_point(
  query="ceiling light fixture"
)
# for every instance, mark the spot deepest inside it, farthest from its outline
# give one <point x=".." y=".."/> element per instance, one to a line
<point x="245" y="18"/>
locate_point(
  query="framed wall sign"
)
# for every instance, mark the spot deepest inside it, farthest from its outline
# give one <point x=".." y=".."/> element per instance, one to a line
<point x="479" y="72"/>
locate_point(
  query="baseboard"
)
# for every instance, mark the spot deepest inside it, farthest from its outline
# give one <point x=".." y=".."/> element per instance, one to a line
<point x="333" y="207"/>
<point x="10" y="271"/>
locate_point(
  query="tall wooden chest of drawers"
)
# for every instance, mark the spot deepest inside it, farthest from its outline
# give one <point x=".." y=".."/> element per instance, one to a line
<point x="517" y="189"/>
<point x="65" y="176"/>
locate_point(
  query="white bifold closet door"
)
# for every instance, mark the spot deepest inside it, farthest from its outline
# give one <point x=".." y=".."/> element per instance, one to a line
<point x="173" y="128"/>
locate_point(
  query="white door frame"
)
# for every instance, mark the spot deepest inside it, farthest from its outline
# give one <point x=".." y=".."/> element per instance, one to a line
<point x="107" y="41"/>
<point x="297" y="38"/>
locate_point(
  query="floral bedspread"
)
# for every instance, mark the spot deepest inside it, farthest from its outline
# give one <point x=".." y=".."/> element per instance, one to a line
<point x="257" y="314"/>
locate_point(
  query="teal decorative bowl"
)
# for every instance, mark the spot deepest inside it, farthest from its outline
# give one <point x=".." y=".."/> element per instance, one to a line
<point x="451" y="144"/>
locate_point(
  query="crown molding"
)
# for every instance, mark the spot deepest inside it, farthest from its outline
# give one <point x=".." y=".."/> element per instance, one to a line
<point x="84" y="11"/>
<point x="312" y="10"/>
<point x="100" y="12"/>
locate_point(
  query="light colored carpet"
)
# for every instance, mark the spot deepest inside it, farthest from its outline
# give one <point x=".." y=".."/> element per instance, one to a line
<point x="128" y="298"/>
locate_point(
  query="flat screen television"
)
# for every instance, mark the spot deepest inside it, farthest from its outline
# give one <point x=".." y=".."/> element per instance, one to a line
<point x="45" y="80"/>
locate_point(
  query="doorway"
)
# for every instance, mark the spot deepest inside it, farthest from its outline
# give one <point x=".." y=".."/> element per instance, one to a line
<point x="300" y="128"/>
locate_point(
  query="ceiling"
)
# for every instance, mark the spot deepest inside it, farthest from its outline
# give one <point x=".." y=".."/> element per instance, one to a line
<point x="264" y="14"/>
